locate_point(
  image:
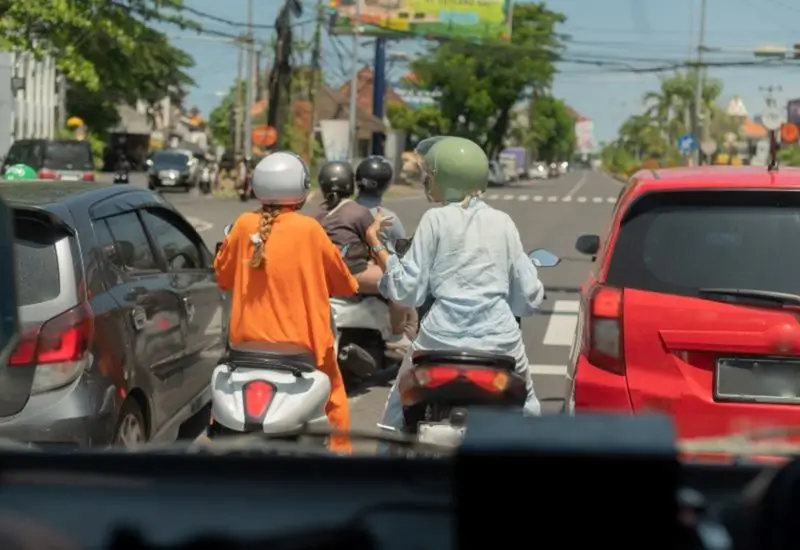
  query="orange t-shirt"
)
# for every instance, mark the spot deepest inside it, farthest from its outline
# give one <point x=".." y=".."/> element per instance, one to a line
<point x="287" y="299"/>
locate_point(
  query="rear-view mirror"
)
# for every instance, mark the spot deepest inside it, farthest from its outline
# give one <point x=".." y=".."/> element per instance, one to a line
<point x="227" y="229"/>
<point x="544" y="258"/>
<point x="401" y="246"/>
<point x="588" y="244"/>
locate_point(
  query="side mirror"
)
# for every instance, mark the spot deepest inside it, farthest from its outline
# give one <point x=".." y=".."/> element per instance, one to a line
<point x="227" y="229"/>
<point x="544" y="258"/>
<point x="588" y="244"/>
<point x="401" y="246"/>
<point x="9" y="316"/>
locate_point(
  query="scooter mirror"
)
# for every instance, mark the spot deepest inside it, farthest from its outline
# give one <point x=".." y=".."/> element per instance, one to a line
<point x="544" y="258"/>
<point x="401" y="246"/>
<point x="227" y="229"/>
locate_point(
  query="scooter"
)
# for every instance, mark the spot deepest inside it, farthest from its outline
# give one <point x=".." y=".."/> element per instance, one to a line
<point x="205" y="180"/>
<point x="121" y="177"/>
<point x="268" y="388"/>
<point x="364" y="327"/>
<point x="443" y="384"/>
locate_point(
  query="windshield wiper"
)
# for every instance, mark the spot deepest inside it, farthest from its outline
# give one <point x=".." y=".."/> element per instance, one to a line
<point x="751" y="295"/>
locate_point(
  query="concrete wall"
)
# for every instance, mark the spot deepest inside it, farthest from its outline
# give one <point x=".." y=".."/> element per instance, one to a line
<point x="34" y="111"/>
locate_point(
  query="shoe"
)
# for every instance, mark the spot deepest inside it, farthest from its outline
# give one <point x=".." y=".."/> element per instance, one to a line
<point x="397" y="347"/>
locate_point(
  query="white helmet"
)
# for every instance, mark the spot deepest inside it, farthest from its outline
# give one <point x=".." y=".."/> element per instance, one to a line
<point x="281" y="179"/>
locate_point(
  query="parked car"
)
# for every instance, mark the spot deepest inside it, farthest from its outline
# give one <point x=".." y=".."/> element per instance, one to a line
<point x="121" y="316"/>
<point x="538" y="171"/>
<point x="692" y="308"/>
<point x="53" y="159"/>
<point x="497" y="176"/>
<point x="173" y="168"/>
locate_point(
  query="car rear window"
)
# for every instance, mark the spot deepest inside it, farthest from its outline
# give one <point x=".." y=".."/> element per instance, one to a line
<point x="68" y="155"/>
<point x="38" y="277"/>
<point x="680" y="242"/>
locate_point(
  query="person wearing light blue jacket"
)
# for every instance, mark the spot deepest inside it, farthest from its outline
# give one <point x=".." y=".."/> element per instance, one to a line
<point x="469" y="258"/>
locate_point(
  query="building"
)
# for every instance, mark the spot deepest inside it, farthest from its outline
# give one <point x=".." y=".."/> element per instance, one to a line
<point x="32" y="97"/>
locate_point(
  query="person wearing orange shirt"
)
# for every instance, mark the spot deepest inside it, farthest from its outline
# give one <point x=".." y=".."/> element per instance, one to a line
<point x="282" y="269"/>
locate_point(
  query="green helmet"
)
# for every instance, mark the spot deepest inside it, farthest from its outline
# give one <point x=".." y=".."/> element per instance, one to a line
<point x="19" y="172"/>
<point x="453" y="168"/>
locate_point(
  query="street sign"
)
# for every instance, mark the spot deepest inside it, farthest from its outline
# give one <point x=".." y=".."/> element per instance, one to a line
<point x="708" y="147"/>
<point x="771" y="118"/>
<point x="686" y="144"/>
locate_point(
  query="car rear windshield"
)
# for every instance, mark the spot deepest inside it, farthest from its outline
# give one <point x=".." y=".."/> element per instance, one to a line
<point x="37" y="262"/>
<point x="170" y="161"/>
<point x="680" y="242"/>
<point x="68" y="155"/>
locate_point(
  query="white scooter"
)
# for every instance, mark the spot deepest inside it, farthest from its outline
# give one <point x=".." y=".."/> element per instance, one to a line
<point x="266" y="387"/>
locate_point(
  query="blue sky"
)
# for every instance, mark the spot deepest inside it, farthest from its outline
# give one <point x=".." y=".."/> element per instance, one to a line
<point x="644" y="32"/>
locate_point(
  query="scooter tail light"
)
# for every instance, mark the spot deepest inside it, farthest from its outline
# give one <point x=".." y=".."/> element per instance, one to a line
<point x="258" y="396"/>
<point x="488" y="379"/>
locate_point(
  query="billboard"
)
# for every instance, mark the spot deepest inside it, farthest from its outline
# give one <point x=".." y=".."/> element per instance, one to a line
<point x="793" y="111"/>
<point x="470" y="19"/>
<point x="584" y="136"/>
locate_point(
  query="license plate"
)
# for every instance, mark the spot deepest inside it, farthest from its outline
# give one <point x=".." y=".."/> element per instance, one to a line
<point x="770" y="380"/>
<point x="69" y="178"/>
<point x="168" y="181"/>
<point x="440" y="433"/>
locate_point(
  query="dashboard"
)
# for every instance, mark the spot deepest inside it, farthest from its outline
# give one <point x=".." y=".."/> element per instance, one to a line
<point x="554" y="489"/>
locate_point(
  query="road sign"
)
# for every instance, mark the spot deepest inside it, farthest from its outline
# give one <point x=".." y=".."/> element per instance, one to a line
<point x="708" y="147"/>
<point x="686" y="144"/>
<point x="771" y="118"/>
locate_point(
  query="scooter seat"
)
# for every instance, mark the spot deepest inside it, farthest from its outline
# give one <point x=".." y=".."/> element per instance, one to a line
<point x="294" y="355"/>
<point x="465" y="357"/>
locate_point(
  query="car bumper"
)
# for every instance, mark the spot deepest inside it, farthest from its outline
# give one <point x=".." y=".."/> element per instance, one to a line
<point x="156" y="181"/>
<point x="82" y="414"/>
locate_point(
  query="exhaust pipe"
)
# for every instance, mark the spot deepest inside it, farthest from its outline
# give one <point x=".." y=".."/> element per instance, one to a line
<point x="357" y="361"/>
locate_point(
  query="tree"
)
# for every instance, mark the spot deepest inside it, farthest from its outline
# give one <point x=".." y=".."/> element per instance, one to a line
<point x="419" y="123"/>
<point x="105" y="48"/>
<point x="479" y="84"/>
<point x="549" y="131"/>
<point x="219" y="120"/>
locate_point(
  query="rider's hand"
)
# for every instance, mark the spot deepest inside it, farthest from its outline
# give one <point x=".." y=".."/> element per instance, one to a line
<point x="380" y="222"/>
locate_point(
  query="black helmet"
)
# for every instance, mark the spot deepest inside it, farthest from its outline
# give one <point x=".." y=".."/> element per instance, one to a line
<point x="374" y="175"/>
<point x="336" y="177"/>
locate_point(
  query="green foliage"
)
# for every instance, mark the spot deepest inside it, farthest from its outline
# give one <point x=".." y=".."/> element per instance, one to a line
<point x="550" y="133"/>
<point x="219" y="121"/>
<point x="419" y="123"/>
<point x="789" y="156"/>
<point x="105" y="48"/>
<point x="481" y="83"/>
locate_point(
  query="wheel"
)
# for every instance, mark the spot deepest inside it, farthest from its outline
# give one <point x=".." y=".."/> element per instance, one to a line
<point x="131" y="429"/>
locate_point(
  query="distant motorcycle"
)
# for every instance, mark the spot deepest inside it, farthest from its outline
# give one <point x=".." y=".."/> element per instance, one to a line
<point x="121" y="177"/>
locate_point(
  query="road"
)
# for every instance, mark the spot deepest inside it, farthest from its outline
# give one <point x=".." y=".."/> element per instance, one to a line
<point x="550" y="214"/>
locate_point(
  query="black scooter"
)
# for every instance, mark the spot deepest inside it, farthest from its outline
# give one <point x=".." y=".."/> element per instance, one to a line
<point x="121" y="177"/>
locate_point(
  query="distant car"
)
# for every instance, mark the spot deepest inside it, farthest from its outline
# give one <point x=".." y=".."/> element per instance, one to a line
<point x="53" y="159"/>
<point x="172" y="168"/>
<point x="538" y="171"/>
<point x="497" y="176"/>
<point x="563" y="168"/>
<point x="121" y="316"/>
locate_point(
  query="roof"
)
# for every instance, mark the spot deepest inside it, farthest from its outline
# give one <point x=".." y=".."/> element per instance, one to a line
<point x="366" y="79"/>
<point x="41" y="193"/>
<point x="754" y="130"/>
<point x="720" y="177"/>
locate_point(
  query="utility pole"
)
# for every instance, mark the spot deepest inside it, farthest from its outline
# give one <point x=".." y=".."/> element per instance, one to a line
<point x="314" y="80"/>
<point x="354" y="85"/>
<point x="771" y="119"/>
<point x="698" y="85"/>
<point x="251" y="60"/>
<point x="237" y="138"/>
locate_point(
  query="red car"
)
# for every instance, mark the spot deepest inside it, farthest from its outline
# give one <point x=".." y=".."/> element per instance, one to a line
<point x="693" y="306"/>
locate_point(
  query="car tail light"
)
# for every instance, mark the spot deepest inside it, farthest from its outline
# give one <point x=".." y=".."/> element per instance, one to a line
<point x="603" y="346"/>
<point x="489" y="379"/>
<point x="46" y="174"/>
<point x="59" y="349"/>
<point x="88" y="176"/>
<point x="258" y="396"/>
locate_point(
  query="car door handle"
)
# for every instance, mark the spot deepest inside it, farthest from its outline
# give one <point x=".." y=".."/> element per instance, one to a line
<point x="139" y="318"/>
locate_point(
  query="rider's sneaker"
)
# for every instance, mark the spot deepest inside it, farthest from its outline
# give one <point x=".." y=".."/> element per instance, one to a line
<point x="397" y="346"/>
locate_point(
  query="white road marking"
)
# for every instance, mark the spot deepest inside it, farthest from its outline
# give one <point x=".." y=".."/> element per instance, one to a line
<point x="597" y="200"/>
<point x="567" y="199"/>
<point x="581" y="199"/>
<point x="492" y="197"/>
<point x="523" y="198"/>
<point x="548" y="370"/>
<point x="611" y="200"/>
<point x="581" y="182"/>
<point x="508" y="197"/>
<point x="552" y="199"/>
<point x="538" y="198"/>
<point x="562" y="323"/>
<point x="198" y="224"/>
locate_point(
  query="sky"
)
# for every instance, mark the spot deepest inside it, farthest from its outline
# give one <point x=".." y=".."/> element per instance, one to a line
<point x="633" y="33"/>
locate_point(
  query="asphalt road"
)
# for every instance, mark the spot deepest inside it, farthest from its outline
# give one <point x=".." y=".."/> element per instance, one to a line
<point x="550" y="214"/>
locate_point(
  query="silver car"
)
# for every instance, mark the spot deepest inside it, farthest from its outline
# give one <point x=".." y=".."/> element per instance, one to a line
<point x="538" y="171"/>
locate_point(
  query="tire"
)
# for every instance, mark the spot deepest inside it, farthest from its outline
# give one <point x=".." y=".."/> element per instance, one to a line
<point x="130" y="421"/>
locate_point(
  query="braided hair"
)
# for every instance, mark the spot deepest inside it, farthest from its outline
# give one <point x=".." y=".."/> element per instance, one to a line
<point x="269" y="214"/>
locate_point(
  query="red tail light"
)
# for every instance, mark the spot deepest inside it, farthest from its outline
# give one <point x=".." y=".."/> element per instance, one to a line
<point x="45" y="174"/>
<point x="491" y="380"/>
<point x="57" y="349"/>
<point x="88" y="176"/>
<point x="603" y="345"/>
<point x="258" y="396"/>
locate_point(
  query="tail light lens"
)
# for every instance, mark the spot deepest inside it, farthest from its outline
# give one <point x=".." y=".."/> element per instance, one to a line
<point x="59" y="350"/>
<point x="488" y="379"/>
<point x="45" y="174"/>
<point x="258" y="396"/>
<point x="88" y="176"/>
<point x="603" y="346"/>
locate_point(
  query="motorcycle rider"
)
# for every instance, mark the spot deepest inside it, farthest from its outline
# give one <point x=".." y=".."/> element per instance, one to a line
<point x="346" y="223"/>
<point x="282" y="268"/>
<point x="374" y="174"/>
<point x="469" y="258"/>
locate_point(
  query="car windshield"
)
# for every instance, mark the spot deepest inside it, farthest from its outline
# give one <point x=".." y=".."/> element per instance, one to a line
<point x="167" y="161"/>
<point x="68" y="155"/>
